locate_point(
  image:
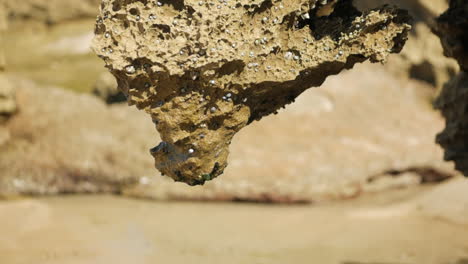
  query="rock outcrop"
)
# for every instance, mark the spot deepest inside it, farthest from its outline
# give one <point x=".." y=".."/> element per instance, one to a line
<point x="452" y="28"/>
<point x="204" y="70"/>
<point x="56" y="144"/>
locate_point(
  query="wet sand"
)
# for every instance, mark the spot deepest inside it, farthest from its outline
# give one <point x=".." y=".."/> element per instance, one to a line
<point x="384" y="228"/>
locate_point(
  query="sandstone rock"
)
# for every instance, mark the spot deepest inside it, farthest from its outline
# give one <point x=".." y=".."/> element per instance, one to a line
<point x="203" y="71"/>
<point x="60" y="142"/>
<point x="106" y="89"/>
<point x="452" y="28"/>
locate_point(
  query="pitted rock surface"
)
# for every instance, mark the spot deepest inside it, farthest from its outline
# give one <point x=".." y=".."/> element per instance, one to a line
<point x="204" y="70"/>
<point x="452" y="28"/>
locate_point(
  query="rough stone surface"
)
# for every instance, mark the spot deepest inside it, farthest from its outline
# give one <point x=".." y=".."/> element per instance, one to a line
<point x="205" y="70"/>
<point x="452" y="28"/>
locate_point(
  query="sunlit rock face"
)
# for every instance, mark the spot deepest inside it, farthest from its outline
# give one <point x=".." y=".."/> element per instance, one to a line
<point x="452" y="28"/>
<point x="205" y="69"/>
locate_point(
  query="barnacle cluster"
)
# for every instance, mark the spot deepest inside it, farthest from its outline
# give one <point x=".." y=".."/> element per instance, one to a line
<point x="205" y="69"/>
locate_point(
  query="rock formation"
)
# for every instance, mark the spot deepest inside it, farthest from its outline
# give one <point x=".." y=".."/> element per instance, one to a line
<point x="59" y="146"/>
<point x="452" y="28"/>
<point x="204" y="70"/>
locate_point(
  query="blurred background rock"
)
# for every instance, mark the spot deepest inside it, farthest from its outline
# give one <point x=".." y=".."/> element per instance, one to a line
<point x="422" y="58"/>
<point x="452" y="28"/>
<point x="368" y="131"/>
<point x="50" y="11"/>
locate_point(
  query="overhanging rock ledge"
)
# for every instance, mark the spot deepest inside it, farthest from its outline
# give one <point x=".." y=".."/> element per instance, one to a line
<point x="204" y="70"/>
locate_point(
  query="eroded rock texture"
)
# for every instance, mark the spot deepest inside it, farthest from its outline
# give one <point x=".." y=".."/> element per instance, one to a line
<point x="452" y="28"/>
<point x="204" y="70"/>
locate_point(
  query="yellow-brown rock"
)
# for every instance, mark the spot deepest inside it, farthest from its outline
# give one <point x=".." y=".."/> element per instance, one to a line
<point x="204" y="70"/>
